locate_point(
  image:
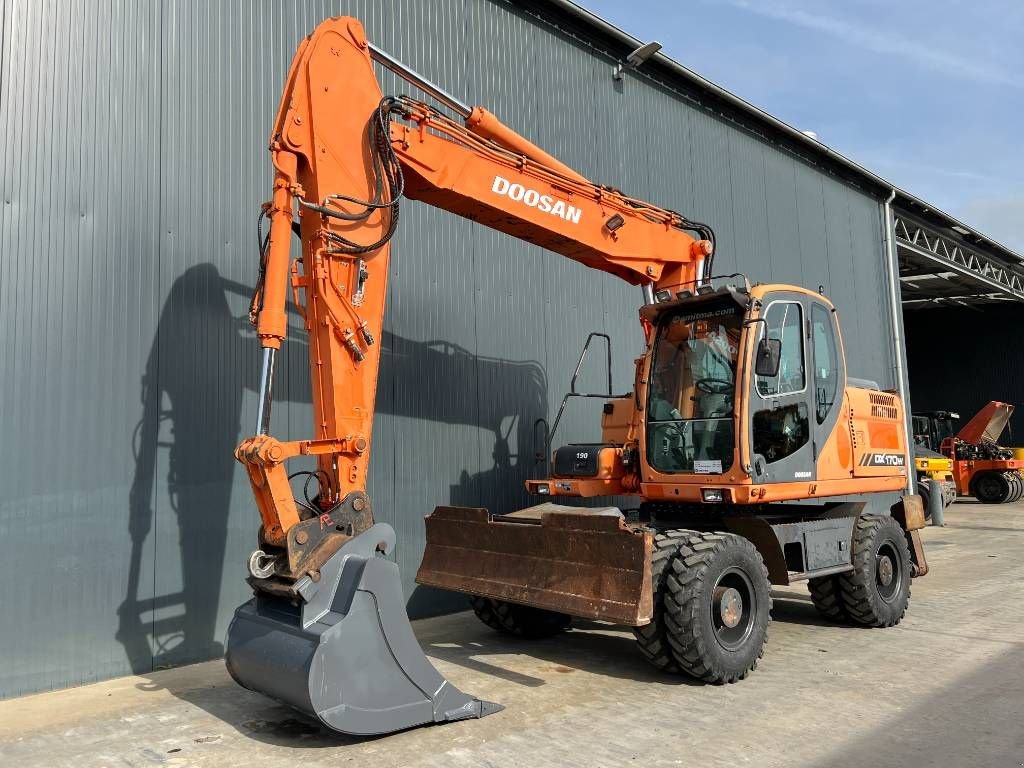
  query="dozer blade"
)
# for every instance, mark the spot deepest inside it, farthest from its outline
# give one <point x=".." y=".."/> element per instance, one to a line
<point x="576" y="560"/>
<point x="346" y="655"/>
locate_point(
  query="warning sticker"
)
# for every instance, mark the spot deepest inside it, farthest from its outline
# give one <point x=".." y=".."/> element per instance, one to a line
<point x="707" y="466"/>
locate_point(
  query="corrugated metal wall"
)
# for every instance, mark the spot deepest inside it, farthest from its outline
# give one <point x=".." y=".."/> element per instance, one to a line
<point x="132" y="138"/>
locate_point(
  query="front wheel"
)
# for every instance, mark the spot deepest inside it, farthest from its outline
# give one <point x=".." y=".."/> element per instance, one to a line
<point x="652" y="638"/>
<point x="876" y="592"/>
<point x="717" y="602"/>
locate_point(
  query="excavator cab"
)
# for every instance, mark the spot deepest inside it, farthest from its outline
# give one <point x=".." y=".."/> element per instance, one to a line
<point x="737" y="399"/>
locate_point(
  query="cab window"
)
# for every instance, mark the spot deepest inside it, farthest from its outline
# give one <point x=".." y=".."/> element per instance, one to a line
<point x="826" y="376"/>
<point x="690" y="402"/>
<point x="783" y="428"/>
<point x="784" y="322"/>
<point x="781" y="432"/>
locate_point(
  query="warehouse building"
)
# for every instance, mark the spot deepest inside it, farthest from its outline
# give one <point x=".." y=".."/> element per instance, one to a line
<point x="133" y="141"/>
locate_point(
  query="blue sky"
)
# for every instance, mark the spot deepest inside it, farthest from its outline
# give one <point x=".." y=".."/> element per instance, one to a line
<point x="927" y="93"/>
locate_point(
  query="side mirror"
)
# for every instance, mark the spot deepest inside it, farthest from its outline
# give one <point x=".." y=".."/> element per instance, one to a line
<point x="769" y="355"/>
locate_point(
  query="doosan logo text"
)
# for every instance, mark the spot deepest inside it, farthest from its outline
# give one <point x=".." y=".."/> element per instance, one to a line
<point x="535" y="199"/>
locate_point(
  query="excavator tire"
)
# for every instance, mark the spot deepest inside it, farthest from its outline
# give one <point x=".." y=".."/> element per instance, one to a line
<point x="827" y="599"/>
<point x="876" y="592"/>
<point x="341" y="648"/>
<point x="652" y="638"/>
<point x="992" y="487"/>
<point x="717" y="607"/>
<point x="483" y="607"/>
<point x="528" y="622"/>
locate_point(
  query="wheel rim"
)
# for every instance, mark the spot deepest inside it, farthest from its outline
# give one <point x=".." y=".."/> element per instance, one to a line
<point x="888" y="572"/>
<point x="733" y="609"/>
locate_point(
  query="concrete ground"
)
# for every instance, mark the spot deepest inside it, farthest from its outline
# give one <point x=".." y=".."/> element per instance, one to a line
<point x="944" y="688"/>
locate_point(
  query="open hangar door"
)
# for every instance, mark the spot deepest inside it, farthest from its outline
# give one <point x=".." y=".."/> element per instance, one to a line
<point x="963" y="314"/>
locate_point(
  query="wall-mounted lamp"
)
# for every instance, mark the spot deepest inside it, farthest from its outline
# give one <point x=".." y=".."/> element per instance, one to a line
<point x="636" y="58"/>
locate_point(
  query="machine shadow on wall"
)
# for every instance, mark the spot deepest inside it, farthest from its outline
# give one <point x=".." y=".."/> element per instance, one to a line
<point x="443" y="382"/>
<point x="201" y="363"/>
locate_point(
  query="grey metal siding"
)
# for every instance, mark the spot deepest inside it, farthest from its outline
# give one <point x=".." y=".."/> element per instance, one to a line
<point x="132" y="138"/>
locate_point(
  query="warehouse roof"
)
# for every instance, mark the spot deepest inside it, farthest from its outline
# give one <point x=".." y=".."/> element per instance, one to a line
<point x="986" y="259"/>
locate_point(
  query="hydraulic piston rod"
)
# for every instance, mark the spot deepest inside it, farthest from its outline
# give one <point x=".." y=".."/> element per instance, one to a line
<point x="266" y="385"/>
<point x="413" y="77"/>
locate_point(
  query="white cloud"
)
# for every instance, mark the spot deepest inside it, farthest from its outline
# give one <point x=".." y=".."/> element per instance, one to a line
<point x="885" y="41"/>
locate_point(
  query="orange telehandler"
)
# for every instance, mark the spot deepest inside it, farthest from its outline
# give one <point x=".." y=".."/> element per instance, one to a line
<point x="741" y="436"/>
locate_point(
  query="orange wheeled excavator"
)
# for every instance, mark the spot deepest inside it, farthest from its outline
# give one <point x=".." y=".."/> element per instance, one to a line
<point x="750" y="452"/>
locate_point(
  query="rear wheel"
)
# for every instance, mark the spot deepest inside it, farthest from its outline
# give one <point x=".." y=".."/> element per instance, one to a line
<point x="876" y="592"/>
<point x="519" y="620"/>
<point x="531" y="623"/>
<point x="992" y="487"/>
<point x="827" y="599"/>
<point x="483" y="607"/>
<point x="717" y="607"/>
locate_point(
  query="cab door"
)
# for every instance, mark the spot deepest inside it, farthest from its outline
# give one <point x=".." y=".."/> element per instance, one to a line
<point x="827" y="379"/>
<point x="782" y="408"/>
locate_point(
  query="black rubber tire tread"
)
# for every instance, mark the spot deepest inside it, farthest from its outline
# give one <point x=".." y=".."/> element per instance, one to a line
<point x="483" y="607"/>
<point x="1016" y="486"/>
<point x="1002" y="492"/>
<point x="686" y="614"/>
<point x="1011" y="483"/>
<point x="652" y="638"/>
<point x="528" y="622"/>
<point x="863" y="603"/>
<point x="827" y="599"/>
<point x="924" y="491"/>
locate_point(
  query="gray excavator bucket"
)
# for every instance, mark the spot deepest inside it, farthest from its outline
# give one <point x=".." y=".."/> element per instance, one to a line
<point x="345" y="654"/>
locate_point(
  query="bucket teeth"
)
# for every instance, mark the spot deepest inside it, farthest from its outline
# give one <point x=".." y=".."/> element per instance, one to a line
<point x="347" y="655"/>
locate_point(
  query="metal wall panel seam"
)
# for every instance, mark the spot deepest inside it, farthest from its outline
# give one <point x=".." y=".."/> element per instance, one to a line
<point x="159" y="271"/>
